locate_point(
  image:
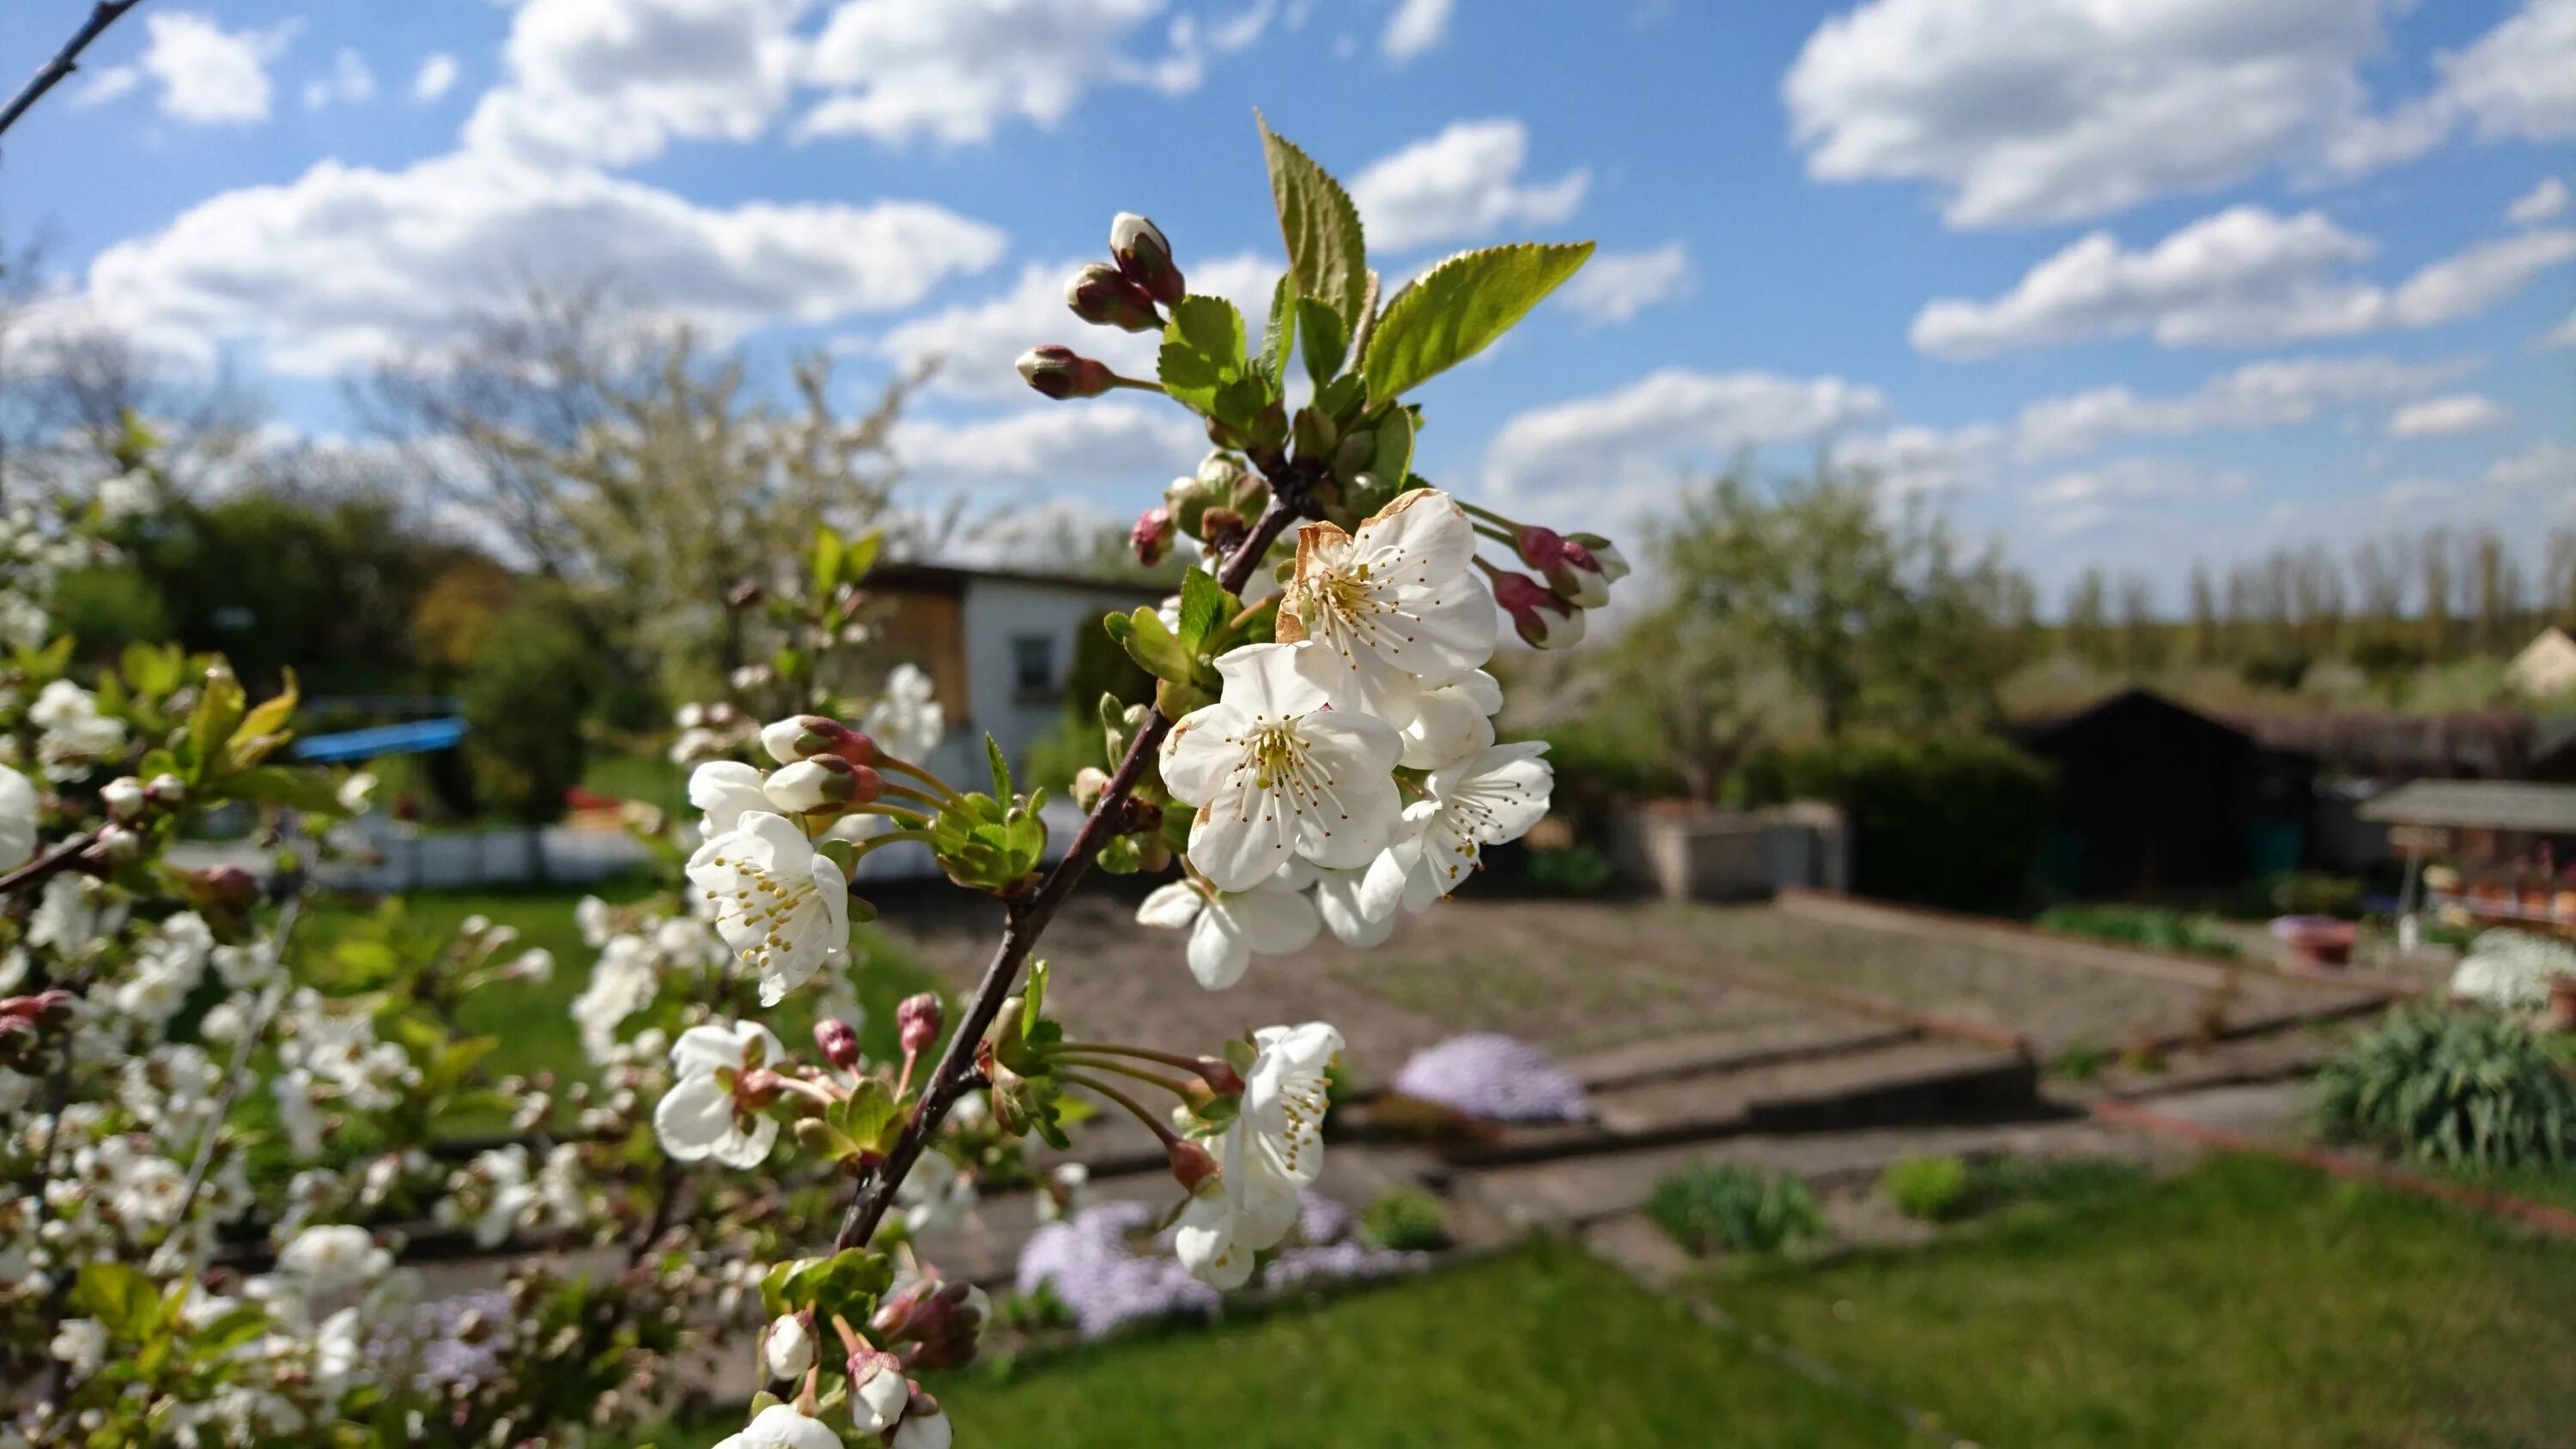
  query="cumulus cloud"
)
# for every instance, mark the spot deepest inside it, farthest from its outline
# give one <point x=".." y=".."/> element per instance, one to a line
<point x="1461" y="184"/>
<point x="616" y="81"/>
<point x="2540" y="203"/>
<point x="1616" y="286"/>
<point x="2243" y="277"/>
<point x="1620" y="452"/>
<point x="976" y="342"/>
<point x="2442" y="416"/>
<point x="2085" y="501"/>
<point x="2516" y="82"/>
<point x="1916" y="461"/>
<point x="2030" y="111"/>
<point x="2272" y="393"/>
<point x="1416" y="26"/>
<point x="349" y="82"/>
<point x="2562" y="335"/>
<point x="211" y="76"/>
<point x="437" y="75"/>
<point x="1057" y="445"/>
<point x="345" y="262"/>
<point x="901" y="69"/>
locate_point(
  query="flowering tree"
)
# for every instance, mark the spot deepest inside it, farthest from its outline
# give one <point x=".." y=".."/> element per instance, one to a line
<point x="210" y="1125"/>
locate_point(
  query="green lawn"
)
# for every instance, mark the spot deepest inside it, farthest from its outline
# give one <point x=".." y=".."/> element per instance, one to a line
<point x="2249" y="1302"/>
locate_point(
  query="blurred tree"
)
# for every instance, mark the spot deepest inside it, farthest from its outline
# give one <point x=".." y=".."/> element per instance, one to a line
<point x="2088" y="620"/>
<point x="525" y="694"/>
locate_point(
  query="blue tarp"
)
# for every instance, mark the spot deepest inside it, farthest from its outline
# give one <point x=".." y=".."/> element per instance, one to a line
<point x="418" y="737"/>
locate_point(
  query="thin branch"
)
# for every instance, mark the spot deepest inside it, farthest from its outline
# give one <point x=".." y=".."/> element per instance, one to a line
<point x="66" y="60"/>
<point x="240" y="1072"/>
<point x="48" y="863"/>
<point x="1023" y="922"/>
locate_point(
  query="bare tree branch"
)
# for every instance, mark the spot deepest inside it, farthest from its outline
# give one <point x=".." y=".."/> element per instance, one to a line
<point x="65" y="61"/>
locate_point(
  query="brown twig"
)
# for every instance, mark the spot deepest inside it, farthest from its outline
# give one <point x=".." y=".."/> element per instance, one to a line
<point x="65" y="61"/>
<point x="49" y="863"/>
<point x="1024" y="921"/>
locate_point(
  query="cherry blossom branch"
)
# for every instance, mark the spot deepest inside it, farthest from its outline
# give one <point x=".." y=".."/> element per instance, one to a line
<point x="240" y="1072"/>
<point x="1025" y="920"/>
<point x="66" y="60"/>
<point x="48" y="864"/>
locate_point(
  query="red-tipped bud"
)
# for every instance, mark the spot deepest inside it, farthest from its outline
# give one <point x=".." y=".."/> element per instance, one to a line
<point x="744" y="595"/>
<point x="1220" y="1076"/>
<point x="825" y="782"/>
<point x="1089" y="784"/>
<point x="1145" y="258"/>
<point x="1152" y="536"/>
<point x="838" y="1042"/>
<point x="1222" y="529"/>
<point x="1578" y="577"/>
<point x="1605" y="555"/>
<point x="1540" y="548"/>
<point x="228" y="885"/>
<point x="803" y="736"/>
<point x="1101" y="295"/>
<point x="1191" y="1164"/>
<point x="916" y="1022"/>
<point x="1543" y="620"/>
<point x="1060" y="372"/>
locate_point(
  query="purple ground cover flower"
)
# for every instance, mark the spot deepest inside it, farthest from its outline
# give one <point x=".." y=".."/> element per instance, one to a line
<point x="1499" y="1078"/>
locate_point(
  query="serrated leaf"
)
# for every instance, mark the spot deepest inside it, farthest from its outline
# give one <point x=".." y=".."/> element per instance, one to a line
<point x="868" y="1116"/>
<point x="1458" y="308"/>
<point x="1323" y="339"/>
<point x="1279" y="334"/>
<point x="1202" y="352"/>
<point x="1326" y="251"/>
<point x="1202" y="610"/>
<point x="1394" y="456"/>
<point x="1001" y="767"/>
<point x="1155" y="648"/>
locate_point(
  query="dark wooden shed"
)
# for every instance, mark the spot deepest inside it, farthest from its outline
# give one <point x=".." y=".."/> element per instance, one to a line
<point x="2154" y="797"/>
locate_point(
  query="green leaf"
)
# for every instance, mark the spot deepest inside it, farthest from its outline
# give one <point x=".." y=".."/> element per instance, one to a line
<point x="1033" y="1000"/>
<point x="1279" y="335"/>
<point x="1458" y="308"/>
<point x="825" y="570"/>
<point x="1326" y="253"/>
<point x="1323" y="339"/>
<point x="861" y="555"/>
<point x="1394" y="448"/>
<point x="121" y="1298"/>
<point x="296" y="789"/>
<point x="868" y="1116"/>
<point x="220" y="705"/>
<point x="1202" y="609"/>
<point x="1001" y="767"/>
<point x="1202" y="352"/>
<point x="1155" y="647"/>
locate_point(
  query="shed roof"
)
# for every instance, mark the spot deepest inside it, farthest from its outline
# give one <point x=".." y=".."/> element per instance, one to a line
<point x="2491" y="804"/>
<point x="416" y="737"/>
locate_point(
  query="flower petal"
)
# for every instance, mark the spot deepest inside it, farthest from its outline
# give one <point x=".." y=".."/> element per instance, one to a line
<point x="1171" y="906"/>
<point x="693" y="1118"/>
<point x="1217" y="952"/>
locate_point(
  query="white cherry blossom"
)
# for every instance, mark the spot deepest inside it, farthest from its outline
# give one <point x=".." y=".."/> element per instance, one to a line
<point x="906" y="721"/>
<point x="779" y="905"/>
<point x="1493" y="798"/>
<point x="782" y="1426"/>
<point x="17" y="819"/>
<point x="723" y="791"/>
<point x="1392" y="608"/>
<point x="924" y="1430"/>
<point x="1452" y="722"/>
<point x="701" y="1116"/>
<point x="1279" y="773"/>
<point x="1228" y="928"/>
<point x="1273" y="1147"/>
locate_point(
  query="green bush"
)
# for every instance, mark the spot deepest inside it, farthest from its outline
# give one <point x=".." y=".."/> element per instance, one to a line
<point x="1719" y="1205"/>
<point x="2308" y="893"/>
<point x="2157" y="927"/>
<point x="1407" y="1220"/>
<point x="1573" y="870"/>
<point x="2462" y="1089"/>
<point x="1946" y="819"/>
<point x="525" y="694"/>
<point x="1926" y="1189"/>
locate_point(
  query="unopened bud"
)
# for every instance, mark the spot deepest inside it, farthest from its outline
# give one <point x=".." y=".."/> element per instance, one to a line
<point x="825" y="782"/>
<point x="879" y="1393"/>
<point x="916" y="1022"/>
<point x="1145" y="258"/>
<point x="746" y="594"/>
<point x="1152" y="535"/>
<point x="123" y="797"/>
<point x="1605" y="554"/>
<point x="1089" y="784"/>
<point x="1191" y="1164"/>
<point x="166" y="791"/>
<point x="838" y="1041"/>
<point x="1538" y="547"/>
<point x="1101" y="295"/>
<point x="1060" y="372"/>
<point x="1543" y="620"/>
<point x="1579" y="577"/>
<point x="115" y="845"/>
<point x="787" y="1350"/>
<point x="1221" y="529"/>
<point x="228" y="884"/>
<point x="803" y="736"/>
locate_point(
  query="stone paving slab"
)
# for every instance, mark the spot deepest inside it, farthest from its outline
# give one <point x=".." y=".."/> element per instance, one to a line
<point x="1789" y="1038"/>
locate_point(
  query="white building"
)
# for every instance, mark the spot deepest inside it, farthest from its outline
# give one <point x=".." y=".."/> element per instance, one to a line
<point x="2546" y="667"/>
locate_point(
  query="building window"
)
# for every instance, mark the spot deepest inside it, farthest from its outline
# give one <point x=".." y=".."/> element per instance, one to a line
<point x="1033" y="664"/>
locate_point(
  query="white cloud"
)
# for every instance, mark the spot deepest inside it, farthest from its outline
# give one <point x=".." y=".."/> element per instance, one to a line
<point x="2546" y="471"/>
<point x="1460" y="184"/>
<point x="1618" y="453"/>
<point x="615" y="81"/>
<point x="210" y="75"/>
<point x="2273" y="393"/>
<point x="2562" y="335"/>
<point x="2239" y="278"/>
<point x="2082" y="502"/>
<point x="436" y="76"/>
<point x="1915" y="461"/>
<point x="349" y="82"/>
<point x="2516" y="82"/>
<point x="1066" y="444"/>
<point x="105" y="85"/>
<point x="2031" y="111"/>
<point x="976" y="342"/>
<point x="2442" y="416"/>
<point x="1416" y="26"/>
<point x="2540" y="203"/>
<point x="344" y="263"/>
<point x="901" y="69"/>
<point x="1616" y="286"/>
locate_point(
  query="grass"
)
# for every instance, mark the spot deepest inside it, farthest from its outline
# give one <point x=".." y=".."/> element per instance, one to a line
<point x="2248" y="1302"/>
<point x="2155" y="927"/>
<point x="1547" y="1348"/>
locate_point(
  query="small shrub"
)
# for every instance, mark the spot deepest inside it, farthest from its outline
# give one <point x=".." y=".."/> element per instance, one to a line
<point x="2309" y="893"/>
<point x="1719" y="1205"/>
<point x="2155" y="927"/>
<point x="2460" y="1089"/>
<point x="2082" y="1061"/>
<point x="1575" y="870"/>
<point x="2046" y="1181"/>
<point x="1406" y="1220"/>
<point x="1926" y="1189"/>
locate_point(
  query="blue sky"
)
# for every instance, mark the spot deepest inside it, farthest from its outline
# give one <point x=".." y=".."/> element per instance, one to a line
<point x="2118" y="284"/>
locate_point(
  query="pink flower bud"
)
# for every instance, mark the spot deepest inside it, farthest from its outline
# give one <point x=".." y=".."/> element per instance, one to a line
<point x="1577" y="576"/>
<point x="1605" y="555"/>
<point x="1191" y="1164"/>
<point x="1060" y="372"/>
<point x="916" y="1021"/>
<point x="1101" y="295"/>
<point x="1543" y="620"/>
<point x="1540" y="548"/>
<point x="1152" y="535"/>
<point x="1222" y="529"/>
<point x="1145" y="258"/>
<point x="838" y="1042"/>
<point x="825" y="782"/>
<point x="229" y="885"/>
